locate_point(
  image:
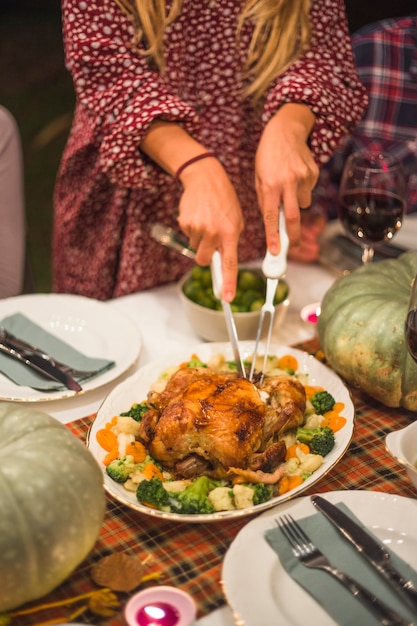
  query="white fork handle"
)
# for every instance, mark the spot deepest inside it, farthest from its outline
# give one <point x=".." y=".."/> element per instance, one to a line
<point x="275" y="265"/>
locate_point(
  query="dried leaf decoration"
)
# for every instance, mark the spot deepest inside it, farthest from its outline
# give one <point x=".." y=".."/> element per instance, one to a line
<point x="118" y="571"/>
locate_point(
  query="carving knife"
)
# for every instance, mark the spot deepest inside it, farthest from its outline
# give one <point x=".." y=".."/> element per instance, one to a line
<point x="217" y="277"/>
<point x="40" y="365"/>
<point x="371" y="549"/>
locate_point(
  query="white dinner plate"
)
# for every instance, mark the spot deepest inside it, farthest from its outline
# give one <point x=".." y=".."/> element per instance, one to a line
<point x="90" y="326"/>
<point x="258" y="588"/>
<point x="135" y="389"/>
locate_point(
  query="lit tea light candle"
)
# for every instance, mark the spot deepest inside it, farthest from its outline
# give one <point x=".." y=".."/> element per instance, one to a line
<point x="310" y="313"/>
<point x="160" y="606"/>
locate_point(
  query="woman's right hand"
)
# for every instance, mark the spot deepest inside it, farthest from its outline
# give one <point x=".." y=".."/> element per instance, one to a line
<point x="209" y="210"/>
<point x="211" y="217"/>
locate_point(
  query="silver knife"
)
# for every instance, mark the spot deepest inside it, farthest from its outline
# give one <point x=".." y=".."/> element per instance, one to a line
<point x="40" y="365"/>
<point x="373" y="551"/>
<point x="217" y="278"/>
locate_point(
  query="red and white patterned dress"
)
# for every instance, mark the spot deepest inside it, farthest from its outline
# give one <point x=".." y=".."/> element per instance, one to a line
<point x="108" y="193"/>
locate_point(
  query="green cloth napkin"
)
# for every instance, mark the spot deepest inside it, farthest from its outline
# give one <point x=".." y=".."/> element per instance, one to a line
<point x="27" y="330"/>
<point x="329" y="593"/>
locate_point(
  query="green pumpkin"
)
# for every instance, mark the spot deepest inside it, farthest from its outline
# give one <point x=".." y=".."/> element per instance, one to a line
<point x="361" y="330"/>
<point x="52" y="504"/>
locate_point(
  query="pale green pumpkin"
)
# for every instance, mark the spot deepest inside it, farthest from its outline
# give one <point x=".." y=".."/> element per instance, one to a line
<point x="52" y="504"/>
<point x="361" y="330"/>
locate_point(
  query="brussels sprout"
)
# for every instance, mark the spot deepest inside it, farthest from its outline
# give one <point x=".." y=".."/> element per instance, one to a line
<point x="281" y="293"/>
<point x="250" y="280"/>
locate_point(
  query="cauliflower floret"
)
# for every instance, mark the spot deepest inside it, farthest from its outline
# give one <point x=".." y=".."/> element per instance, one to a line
<point x="130" y="485"/>
<point x="310" y="463"/>
<point x="289" y="438"/>
<point x="302" y="463"/>
<point x="221" y="499"/>
<point x="127" y="425"/>
<point x="243" y="496"/>
<point x="313" y="421"/>
<point x="176" y="486"/>
<point x="123" y="439"/>
<point x="291" y="466"/>
<point x="217" y="361"/>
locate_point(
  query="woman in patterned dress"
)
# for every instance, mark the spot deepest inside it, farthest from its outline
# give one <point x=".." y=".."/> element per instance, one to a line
<point x="204" y="115"/>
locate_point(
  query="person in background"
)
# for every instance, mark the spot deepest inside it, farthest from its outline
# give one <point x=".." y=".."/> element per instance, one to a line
<point x="386" y="58"/>
<point x="206" y="116"/>
<point x="12" y="212"/>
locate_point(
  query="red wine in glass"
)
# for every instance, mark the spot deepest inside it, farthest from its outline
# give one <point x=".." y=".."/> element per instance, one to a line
<point x="371" y="216"/>
<point x="371" y="199"/>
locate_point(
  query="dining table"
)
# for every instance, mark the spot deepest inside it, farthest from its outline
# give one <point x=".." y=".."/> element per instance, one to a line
<point x="190" y="555"/>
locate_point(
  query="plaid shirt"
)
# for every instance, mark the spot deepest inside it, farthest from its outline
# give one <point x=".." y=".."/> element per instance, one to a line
<point x="386" y="57"/>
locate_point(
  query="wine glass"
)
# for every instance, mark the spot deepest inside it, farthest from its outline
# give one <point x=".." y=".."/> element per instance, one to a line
<point x="411" y="322"/>
<point x="371" y="200"/>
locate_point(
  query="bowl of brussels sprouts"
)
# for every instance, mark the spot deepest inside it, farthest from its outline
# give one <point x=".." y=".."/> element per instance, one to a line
<point x="204" y="310"/>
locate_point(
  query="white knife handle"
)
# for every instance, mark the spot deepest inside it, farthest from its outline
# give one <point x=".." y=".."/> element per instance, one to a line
<point x="217" y="274"/>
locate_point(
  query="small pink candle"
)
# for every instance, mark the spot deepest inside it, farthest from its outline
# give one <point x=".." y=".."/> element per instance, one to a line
<point x="160" y="606"/>
<point x="310" y="313"/>
<point x="158" y="614"/>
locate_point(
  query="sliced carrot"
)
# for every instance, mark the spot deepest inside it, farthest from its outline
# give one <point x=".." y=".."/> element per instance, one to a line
<point x="238" y="480"/>
<point x="112" y="422"/>
<point x="320" y="356"/>
<point x="288" y="362"/>
<point x="286" y="483"/>
<point x="292" y="450"/>
<point x="112" y="455"/>
<point x="151" y="471"/>
<point x="106" y="439"/>
<point x="311" y="390"/>
<point x="338" y="407"/>
<point x="333" y="420"/>
<point x="137" y="450"/>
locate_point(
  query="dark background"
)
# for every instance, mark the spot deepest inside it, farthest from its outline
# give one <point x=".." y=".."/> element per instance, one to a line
<point x="36" y="88"/>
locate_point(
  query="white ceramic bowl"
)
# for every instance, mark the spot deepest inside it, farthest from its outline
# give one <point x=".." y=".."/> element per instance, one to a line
<point x="402" y="445"/>
<point x="211" y="326"/>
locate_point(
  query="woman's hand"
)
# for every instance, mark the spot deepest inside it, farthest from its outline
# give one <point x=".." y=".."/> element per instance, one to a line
<point x="211" y="217"/>
<point x="209" y="210"/>
<point x="285" y="171"/>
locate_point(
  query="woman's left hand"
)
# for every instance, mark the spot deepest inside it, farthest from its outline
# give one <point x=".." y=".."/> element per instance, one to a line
<point x="285" y="171"/>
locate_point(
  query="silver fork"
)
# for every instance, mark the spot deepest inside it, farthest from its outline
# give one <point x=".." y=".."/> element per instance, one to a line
<point x="273" y="267"/>
<point x="310" y="556"/>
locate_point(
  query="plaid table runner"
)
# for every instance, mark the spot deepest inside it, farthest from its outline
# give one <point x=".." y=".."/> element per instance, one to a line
<point x="190" y="555"/>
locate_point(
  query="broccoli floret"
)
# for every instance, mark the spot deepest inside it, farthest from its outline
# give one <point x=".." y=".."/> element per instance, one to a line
<point x="195" y="362"/>
<point x="261" y="493"/>
<point x="154" y="493"/>
<point x="320" y="440"/>
<point x="136" y="411"/>
<point x="194" y="499"/>
<point x="121" y="468"/>
<point x="322" y="402"/>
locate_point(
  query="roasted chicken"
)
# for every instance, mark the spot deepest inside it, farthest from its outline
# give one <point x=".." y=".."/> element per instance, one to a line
<point x="218" y="424"/>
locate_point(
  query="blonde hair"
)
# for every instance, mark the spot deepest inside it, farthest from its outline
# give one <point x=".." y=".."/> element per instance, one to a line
<point x="281" y="33"/>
